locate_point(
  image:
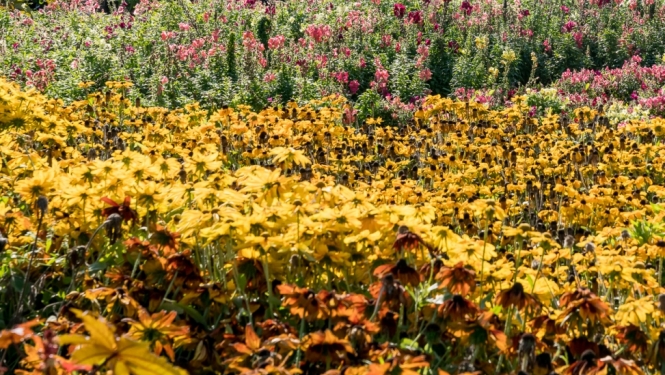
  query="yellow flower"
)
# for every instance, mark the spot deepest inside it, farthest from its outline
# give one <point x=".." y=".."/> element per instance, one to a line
<point x="288" y="154"/>
<point x="635" y="311"/>
<point x="508" y="56"/>
<point x="481" y="42"/>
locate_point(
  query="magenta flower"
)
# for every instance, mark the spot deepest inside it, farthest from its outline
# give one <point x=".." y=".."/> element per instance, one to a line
<point x="416" y="17"/>
<point x="399" y="10"/>
<point x="569" y="26"/>
<point x="354" y="86"/>
<point x="466" y="7"/>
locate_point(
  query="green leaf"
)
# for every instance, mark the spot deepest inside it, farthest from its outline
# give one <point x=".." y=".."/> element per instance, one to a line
<point x="242" y="281"/>
<point x="190" y="311"/>
<point x="408" y="344"/>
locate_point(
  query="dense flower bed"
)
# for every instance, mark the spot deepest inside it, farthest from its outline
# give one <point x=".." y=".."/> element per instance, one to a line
<point x="384" y="55"/>
<point x="468" y="240"/>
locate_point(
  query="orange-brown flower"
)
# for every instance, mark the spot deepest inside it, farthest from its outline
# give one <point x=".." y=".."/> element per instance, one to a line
<point x="457" y="279"/>
<point x="457" y="310"/>
<point x="582" y="303"/>
<point x="485" y="330"/>
<point x="17" y="334"/>
<point x="326" y="347"/>
<point x="588" y="364"/>
<point x="516" y="296"/>
<point x="636" y="341"/>
<point x="164" y="239"/>
<point x="303" y="302"/>
<point x="403" y="365"/>
<point x="430" y="268"/>
<point x="549" y="324"/>
<point x="402" y="272"/>
<point x="407" y="240"/>
<point x="358" y="329"/>
<point x="388" y="291"/>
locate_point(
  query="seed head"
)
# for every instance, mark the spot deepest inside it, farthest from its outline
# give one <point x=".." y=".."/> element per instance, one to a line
<point x="42" y="204"/>
<point x="113" y="227"/>
<point x="625" y="235"/>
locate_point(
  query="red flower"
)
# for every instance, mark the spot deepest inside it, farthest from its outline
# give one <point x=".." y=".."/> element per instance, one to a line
<point x="123" y="209"/>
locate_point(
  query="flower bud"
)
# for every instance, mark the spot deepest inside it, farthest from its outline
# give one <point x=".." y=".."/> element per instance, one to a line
<point x="42" y="204"/>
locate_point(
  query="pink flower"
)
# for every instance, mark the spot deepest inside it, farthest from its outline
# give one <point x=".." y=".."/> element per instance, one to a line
<point x="276" y="42"/>
<point x="164" y="80"/>
<point x="579" y="37"/>
<point x="184" y="26"/>
<point x="342" y="77"/>
<point x="349" y="116"/>
<point x="386" y="40"/>
<point x="319" y="33"/>
<point x="425" y="74"/>
<point x="166" y="35"/>
<point x="269" y="77"/>
<point x="353" y="87"/>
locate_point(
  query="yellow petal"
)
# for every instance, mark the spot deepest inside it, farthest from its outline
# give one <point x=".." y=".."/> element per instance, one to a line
<point x="72" y="339"/>
<point x="141" y="361"/>
<point x="100" y="333"/>
<point x="120" y="368"/>
<point x="91" y="355"/>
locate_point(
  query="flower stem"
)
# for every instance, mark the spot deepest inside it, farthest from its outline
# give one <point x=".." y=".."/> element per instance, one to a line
<point x="301" y="333"/>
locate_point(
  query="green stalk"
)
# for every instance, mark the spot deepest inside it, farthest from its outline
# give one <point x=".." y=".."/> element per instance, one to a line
<point x="507" y="332"/>
<point x="482" y="261"/>
<point x="301" y="333"/>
